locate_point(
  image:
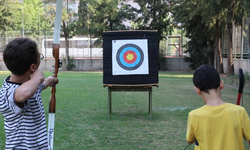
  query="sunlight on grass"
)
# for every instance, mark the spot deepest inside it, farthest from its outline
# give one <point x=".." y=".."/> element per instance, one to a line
<point x="4" y="72"/>
<point x="176" y="75"/>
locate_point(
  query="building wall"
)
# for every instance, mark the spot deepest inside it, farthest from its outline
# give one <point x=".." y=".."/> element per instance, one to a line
<point x="171" y="64"/>
<point x="244" y="64"/>
<point x="80" y="65"/>
<point x="176" y="64"/>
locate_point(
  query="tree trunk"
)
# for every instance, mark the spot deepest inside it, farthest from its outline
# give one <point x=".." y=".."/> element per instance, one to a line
<point x="67" y="50"/>
<point x="66" y="44"/>
<point x="249" y="33"/>
<point x="230" y="63"/>
<point x="216" y="56"/>
<point x="220" y="54"/>
<point x="218" y="62"/>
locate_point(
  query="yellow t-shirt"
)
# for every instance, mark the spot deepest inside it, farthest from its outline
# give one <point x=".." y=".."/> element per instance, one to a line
<point x="221" y="127"/>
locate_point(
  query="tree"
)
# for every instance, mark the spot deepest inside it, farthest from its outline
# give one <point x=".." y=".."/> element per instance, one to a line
<point x="210" y="20"/>
<point x="154" y="15"/>
<point x="68" y="22"/>
<point x="200" y="47"/>
<point x="96" y="16"/>
<point x="217" y="16"/>
<point x="83" y="17"/>
<point x="26" y="15"/>
<point x="235" y="10"/>
<point x="5" y="14"/>
<point x="29" y="15"/>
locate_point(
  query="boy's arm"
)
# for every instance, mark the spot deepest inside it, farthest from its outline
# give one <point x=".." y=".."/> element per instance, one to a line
<point x="50" y="81"/>
<point x="246" y="126"/>
<point x="190" y="137"/>
<point x="191" y="142"/>
<point x="29" y="88"/>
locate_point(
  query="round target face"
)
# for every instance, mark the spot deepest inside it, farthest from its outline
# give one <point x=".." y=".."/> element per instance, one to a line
<point x="129" y="56"/>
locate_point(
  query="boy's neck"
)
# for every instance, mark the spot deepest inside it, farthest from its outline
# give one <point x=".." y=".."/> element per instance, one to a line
<point x="19" y="78"/>
<point x="213" y="98"/>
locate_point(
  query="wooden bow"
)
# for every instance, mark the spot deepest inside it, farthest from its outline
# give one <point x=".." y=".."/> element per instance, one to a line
<point x="56" y="46"/>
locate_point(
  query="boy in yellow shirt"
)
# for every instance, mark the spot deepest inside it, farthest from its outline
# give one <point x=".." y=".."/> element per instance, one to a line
<point x="217" y="125"/>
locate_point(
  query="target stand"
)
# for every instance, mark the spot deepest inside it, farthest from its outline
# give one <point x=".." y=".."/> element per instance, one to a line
<point x="130" y="62"/>
<point x="135" y="88"/>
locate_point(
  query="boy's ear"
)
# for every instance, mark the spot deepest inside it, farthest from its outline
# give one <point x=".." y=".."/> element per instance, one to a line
<point x="32" y="68"/>
<point x="221" y="84"/>
<point x="198" y="91"/>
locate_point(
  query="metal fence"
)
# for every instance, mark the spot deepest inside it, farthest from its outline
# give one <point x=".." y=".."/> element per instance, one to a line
<point x="241" y="47"/>
<point x="44" y="40"/>
<point x="7" y="35"/>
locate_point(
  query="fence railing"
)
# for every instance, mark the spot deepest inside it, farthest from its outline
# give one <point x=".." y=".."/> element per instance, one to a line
<point x="78" y="47"/>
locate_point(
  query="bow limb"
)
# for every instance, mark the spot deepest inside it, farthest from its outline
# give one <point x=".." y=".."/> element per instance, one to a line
<point x="241" y="85"/>
<point x="52" y="104"/>
<point x="56" y="46"/>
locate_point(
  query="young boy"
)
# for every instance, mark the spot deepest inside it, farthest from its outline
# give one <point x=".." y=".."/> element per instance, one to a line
<point x="217" y="125"/>
<point x="20" y="96"/>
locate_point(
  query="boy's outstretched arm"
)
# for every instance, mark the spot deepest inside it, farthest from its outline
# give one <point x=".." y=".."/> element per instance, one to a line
<point x="29" y="88"/>
<point x="50" y="81"/>
<point x="191" y="142"/>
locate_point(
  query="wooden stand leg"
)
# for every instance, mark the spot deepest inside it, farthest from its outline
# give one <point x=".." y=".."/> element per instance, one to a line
<point x="109" y="102"/>
<point x="130" y="88"/>
<point x="150" y="102"/>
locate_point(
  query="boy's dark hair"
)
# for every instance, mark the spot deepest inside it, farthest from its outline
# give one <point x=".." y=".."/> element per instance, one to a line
<point x="19" y="54"/>
<point x="206" y="77"/>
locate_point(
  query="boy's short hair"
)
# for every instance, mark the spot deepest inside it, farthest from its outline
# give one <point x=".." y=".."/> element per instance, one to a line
<point x="19" y="54"/>
<point x="206" y="77"/>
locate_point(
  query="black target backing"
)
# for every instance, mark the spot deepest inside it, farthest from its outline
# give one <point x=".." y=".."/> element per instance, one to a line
<point x="153" y="52"/>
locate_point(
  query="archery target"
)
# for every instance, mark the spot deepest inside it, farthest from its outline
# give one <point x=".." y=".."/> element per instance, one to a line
<point x="129" y="57"/>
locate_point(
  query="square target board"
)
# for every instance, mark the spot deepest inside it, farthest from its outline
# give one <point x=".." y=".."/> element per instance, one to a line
<point x="130" y="57"/>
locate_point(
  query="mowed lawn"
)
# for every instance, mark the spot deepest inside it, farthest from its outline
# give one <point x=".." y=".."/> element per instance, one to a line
<point x="82" y="113"/>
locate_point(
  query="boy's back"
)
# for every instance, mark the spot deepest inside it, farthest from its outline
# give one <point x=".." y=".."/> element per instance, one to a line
<point x="219" y="127"/>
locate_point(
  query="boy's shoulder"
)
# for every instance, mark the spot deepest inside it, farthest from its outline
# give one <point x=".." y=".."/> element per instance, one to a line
<point x="196" y="111"/>
<point x="8" y="86"/>
<point x="226" y="106"/>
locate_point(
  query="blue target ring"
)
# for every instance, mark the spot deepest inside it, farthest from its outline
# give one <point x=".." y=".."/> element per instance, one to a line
<point x="123" y="51"/>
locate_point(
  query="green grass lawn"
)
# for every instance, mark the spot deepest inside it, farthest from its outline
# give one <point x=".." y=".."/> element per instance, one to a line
<point x="82" y="113"/>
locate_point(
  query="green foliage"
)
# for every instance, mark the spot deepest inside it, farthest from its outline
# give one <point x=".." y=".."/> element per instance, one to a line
<point x="6" y="13"/>
<point x="197" y="55"/>
<point x="216" y="16"/>
<point x="96" y="16"/>
<point x="69" y="17"/>
<point x="199" y="48"/>
<point x="29" y="15"/>
<point x="83" y="17"/>
<point x="247" y="76"/>
<point x="154" y="15"/>
<point x="162" y="54"/>
<point x="70" y="66"/>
